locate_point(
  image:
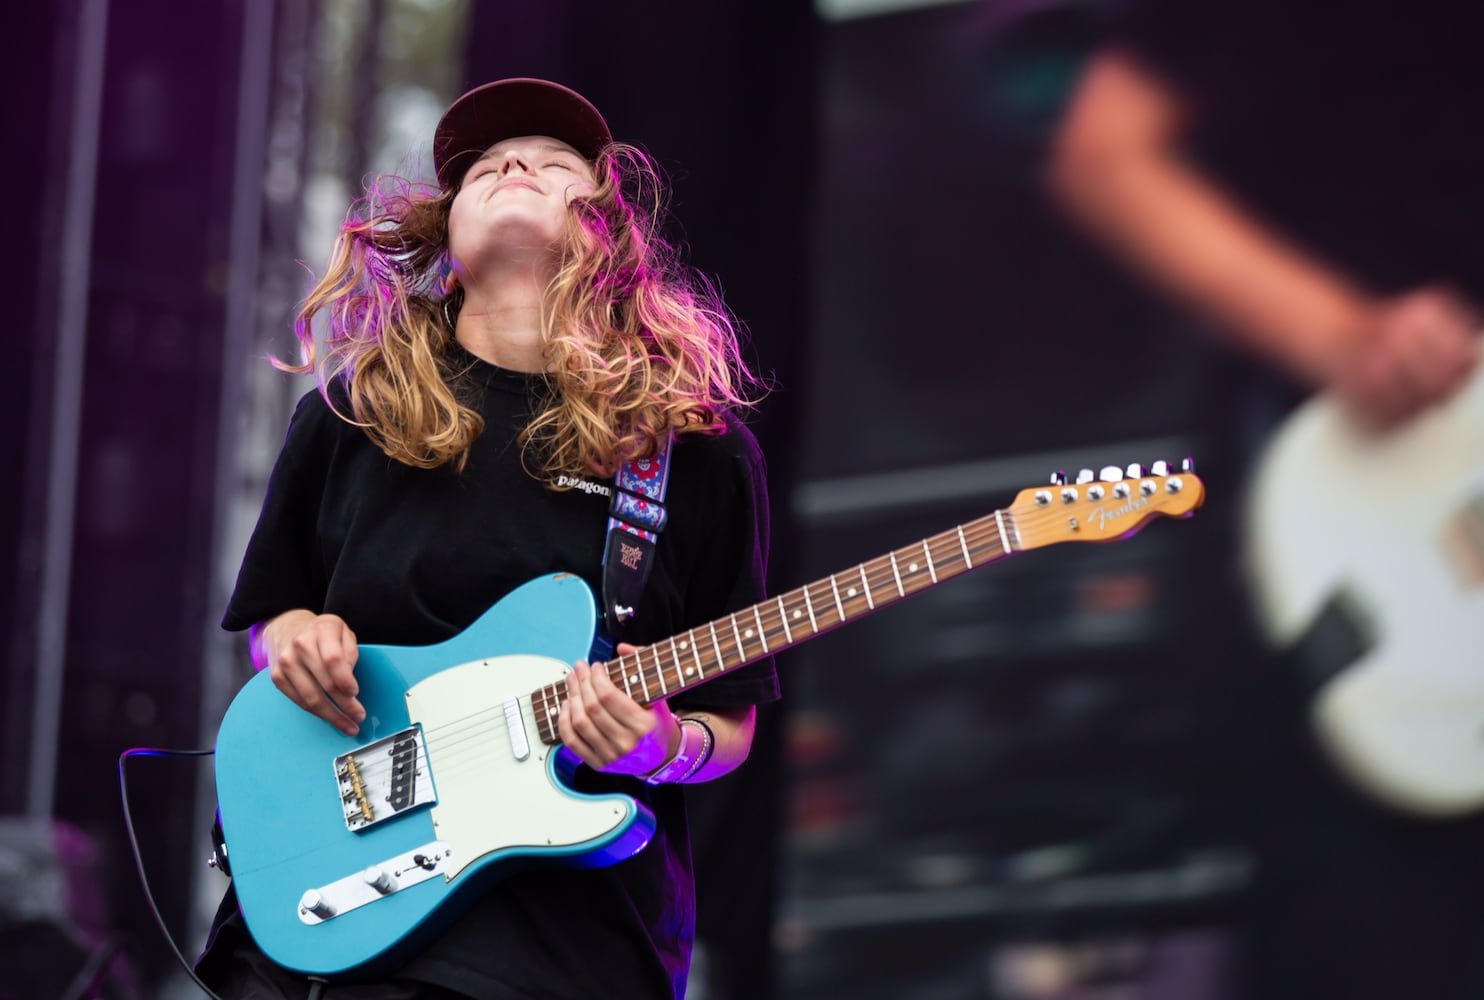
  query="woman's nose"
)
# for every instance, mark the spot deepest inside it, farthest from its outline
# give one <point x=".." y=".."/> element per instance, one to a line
<point x="512" y="160"/>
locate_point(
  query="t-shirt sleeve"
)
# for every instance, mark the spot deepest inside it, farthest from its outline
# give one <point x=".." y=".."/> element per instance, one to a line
<point x="735" y="559"/>
<point x="282" y="568"/>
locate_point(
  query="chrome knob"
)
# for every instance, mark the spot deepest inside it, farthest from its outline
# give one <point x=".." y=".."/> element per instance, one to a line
<point x="313" y="902"/>
<point x="379" y="879"/>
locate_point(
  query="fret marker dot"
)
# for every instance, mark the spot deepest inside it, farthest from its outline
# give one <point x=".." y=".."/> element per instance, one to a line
<point x="798" y="615"/>
<point x="551" y="711"/>
<point x="684" y="644"/>
<point x="633" y="678"/>
<point x="690" y="671"/>
<point x="912" y="567"/>
<point x="850" y="592"/>
<point x="747" y="633"/>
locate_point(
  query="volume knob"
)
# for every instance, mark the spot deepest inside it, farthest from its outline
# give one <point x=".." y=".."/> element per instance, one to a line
<point x="313" y="902"/>
<point x="379" y="879"/>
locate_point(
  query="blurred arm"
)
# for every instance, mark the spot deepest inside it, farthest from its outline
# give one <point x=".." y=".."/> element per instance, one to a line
<point x="1116" y="169"/>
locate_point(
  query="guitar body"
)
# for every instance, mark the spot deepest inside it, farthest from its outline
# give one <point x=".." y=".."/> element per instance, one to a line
<point x="284" y="794"/>
<point x="1393" y="523"/>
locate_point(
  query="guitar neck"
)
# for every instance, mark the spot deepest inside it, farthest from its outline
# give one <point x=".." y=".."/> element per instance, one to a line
<point x="1089" y="511"/>
<point x="692" y="658"/>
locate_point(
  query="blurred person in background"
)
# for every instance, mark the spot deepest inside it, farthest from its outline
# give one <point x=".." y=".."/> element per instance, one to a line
<point x="496" y="350"/>
<point x="1307" y="180"/>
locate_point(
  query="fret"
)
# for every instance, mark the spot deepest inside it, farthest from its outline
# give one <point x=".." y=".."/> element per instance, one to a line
<point x="927" y="554"/>
<point x="964" y="545"/>
<point x="896" y="574"/>
<point x="809" y="607"/>
<point x="999" y="520"/>
<point x="543" y="724"/>
<point x="664" y="689"/>
<point x="866" y="586"/>
<point x="624" y="673"/>
<point x="834" y="589"/>
<point x="696" y="652"/>
<point x="788" y="636"/>
<point x="741" y="655"/>
<point x="721" y="661"/>
<point x="659" y="668"/>
<point x="551" y="706"/>
<point x="762" y="633"/>
<point x="538" y="709"/>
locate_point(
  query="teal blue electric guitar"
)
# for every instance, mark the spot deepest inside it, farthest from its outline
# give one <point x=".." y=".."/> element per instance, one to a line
<point x="348" y="852"/>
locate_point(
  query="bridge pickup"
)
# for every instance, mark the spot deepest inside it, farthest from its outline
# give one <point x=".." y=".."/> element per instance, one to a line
<point x="382" y="780"/>
<point x="379" y="881"/>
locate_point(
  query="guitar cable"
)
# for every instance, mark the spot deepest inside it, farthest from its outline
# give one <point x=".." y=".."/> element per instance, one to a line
<point x="316" y="985"/>
<point x="139" y="858"/>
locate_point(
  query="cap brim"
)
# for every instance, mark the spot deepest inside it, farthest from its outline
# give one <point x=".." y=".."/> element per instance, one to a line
<point x="509" y="108"/>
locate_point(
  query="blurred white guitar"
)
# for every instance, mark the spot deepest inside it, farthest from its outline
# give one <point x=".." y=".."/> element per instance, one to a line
<point x="1384" y="533"/>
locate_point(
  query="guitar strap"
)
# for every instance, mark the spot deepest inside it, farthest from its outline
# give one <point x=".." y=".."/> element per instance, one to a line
<point x="636" y="516"/>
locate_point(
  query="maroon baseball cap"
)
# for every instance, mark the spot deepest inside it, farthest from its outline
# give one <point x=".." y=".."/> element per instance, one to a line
<point x="509" y="108"/>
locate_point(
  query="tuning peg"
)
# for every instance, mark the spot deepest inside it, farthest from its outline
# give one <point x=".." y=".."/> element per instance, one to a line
<point x="1085" y="476"/>
<point x="1187" y="464"/>
<point x="1059" y="478"/>
<point x="1110" y="474"/>
<point x="1160" y="468"/>
<point x="1135" y="471"/>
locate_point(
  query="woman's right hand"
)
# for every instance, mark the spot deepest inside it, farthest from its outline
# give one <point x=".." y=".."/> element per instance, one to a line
<point x="312" y="660"/>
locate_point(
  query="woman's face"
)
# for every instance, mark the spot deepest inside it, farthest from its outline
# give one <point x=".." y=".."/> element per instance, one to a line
<point x="512" y="204"/>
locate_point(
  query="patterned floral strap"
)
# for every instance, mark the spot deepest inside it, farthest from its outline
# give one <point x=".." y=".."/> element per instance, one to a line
<point x="638" y="503"/>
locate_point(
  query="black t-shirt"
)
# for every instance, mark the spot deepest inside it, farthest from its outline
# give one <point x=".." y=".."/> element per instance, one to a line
<point x="412" y="556"/>
<point x="1350" y="126"/>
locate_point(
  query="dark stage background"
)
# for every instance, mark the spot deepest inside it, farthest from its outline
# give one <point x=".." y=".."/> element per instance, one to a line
<point x="1043" y="767"/>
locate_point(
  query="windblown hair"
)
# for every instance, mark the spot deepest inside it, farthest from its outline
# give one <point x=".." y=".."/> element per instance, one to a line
<point x="637" y="343"/>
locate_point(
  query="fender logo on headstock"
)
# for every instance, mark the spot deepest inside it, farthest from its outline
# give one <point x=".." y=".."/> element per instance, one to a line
<point x="1102" y="515"/>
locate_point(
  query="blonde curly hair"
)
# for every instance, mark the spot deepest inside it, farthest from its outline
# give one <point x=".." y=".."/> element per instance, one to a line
<point x="637" y="344"/>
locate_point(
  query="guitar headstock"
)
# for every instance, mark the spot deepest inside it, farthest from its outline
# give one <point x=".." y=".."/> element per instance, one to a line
<point x="1115" y="503"/>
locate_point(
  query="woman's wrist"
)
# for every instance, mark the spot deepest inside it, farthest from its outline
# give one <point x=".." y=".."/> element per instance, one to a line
<point x="697" y="743"/>
<point x="676" y="764"/>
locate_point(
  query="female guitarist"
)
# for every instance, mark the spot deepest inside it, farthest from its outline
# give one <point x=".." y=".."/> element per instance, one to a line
<point x="495" y="350"/>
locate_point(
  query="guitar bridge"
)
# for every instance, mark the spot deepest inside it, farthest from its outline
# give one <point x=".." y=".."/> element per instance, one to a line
<point x="382" y="780"/>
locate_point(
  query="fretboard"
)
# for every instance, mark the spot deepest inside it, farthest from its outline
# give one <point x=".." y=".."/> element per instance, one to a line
<point x="707" y="651"/>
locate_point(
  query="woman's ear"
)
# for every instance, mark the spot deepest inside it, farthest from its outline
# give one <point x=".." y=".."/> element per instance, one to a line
<point x="448" y="279"/>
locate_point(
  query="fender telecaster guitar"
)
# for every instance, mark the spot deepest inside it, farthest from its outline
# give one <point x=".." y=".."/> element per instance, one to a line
<point x="1388" y="530"/>
<point x="348" y="851"/>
